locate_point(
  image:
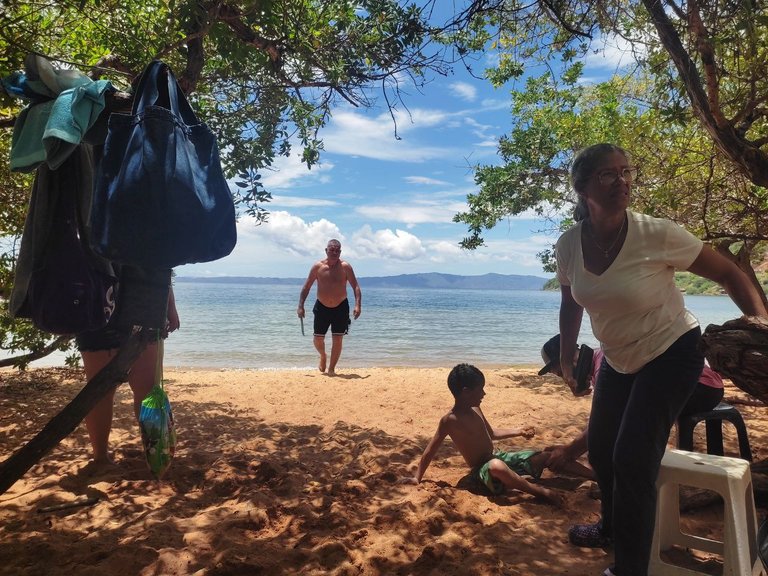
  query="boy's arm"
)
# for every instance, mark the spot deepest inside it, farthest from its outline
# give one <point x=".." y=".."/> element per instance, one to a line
<point x="525" y="432"/>
<point x="430" y="451"/>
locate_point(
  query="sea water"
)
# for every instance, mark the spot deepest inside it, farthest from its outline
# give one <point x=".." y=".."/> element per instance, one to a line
<point x="237" y="326"/>
<point x="255" y="326"/>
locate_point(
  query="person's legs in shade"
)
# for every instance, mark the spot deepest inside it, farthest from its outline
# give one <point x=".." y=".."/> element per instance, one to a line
<point x="141" y="378"/>
<point x="704" y="398"/>
<point x="98" y="422"/>
<point x="610" y="397"/>
<point x="660" y="390"/>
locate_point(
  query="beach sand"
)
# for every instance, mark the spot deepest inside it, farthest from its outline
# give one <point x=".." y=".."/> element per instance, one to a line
<point x="295" y="472"/>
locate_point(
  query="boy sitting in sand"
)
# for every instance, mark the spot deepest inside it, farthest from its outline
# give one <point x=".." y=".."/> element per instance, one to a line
<point x="473" y="436"/>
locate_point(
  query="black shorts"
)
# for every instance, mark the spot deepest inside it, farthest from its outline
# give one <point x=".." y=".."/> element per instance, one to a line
<point x="337" y="318"/>
<point x="108" y="337"/>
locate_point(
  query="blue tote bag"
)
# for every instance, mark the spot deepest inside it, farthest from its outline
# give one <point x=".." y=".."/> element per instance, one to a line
<point x="160" y="197"/>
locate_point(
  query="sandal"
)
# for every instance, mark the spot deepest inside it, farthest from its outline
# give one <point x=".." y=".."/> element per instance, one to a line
<point x="588" y="536"/>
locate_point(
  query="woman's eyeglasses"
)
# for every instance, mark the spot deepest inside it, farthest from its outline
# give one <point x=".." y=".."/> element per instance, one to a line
<point x="610" y="177"/>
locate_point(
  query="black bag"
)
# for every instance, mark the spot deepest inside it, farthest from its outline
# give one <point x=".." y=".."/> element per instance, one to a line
<point x="68" y="294"/>
<point x="161" y="199"/>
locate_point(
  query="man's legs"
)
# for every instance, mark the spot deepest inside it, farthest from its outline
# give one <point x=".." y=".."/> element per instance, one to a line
<point x="336" y="342"/>
<point x="319" y="341"/>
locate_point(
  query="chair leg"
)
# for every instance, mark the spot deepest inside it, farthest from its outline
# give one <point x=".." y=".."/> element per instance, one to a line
<point x="741" y="431"/>
<point x="714" y="432"/>
<point x="685" y="434"/>
<point x="715" y="437"/>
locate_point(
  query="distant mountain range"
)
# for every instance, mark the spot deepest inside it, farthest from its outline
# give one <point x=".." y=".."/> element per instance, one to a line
<point x="425" y="280"/>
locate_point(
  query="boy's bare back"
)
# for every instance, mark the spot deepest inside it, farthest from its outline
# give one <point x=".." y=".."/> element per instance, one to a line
<point x="468" y="429"/>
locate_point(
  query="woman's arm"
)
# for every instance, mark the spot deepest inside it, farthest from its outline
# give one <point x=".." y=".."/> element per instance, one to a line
<point x="172" y="320"/>
<point x="716" y="267"/>
<point x="571" y="314"/>
<point x="563" y="454"/>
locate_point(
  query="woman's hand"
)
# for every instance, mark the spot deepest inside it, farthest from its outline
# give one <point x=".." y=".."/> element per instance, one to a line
<point x="172" y="321"/>
<point x="570" y="381"/>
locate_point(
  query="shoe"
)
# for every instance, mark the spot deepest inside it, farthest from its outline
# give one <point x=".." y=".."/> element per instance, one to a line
<point x="589" y="536"/>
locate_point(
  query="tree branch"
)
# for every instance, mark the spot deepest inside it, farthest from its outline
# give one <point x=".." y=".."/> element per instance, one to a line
<point x="752" y="160"/>
<point x="25" y="359"/>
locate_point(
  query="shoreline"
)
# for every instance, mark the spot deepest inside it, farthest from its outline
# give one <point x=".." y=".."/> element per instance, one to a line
<point x="340" y="371"/>
<point x="36" y="365"/>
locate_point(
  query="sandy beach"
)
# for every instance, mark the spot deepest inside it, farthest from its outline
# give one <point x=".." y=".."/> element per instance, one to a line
<point x="295" y="472"/>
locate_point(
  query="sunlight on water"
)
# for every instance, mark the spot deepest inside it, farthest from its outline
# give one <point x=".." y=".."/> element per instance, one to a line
<point x="236" y="326"/>
<point x="255" y="326"/>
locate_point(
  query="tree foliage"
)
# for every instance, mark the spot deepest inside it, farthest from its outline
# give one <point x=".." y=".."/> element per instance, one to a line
<point x="690" y="109"/>
<point x="265" y="75"/>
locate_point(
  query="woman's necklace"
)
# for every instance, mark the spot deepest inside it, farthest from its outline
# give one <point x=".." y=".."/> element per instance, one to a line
<point x="606" y="251"/>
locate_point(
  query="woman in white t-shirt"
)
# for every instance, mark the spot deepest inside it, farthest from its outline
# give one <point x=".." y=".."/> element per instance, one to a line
<point x="619" y="266"/>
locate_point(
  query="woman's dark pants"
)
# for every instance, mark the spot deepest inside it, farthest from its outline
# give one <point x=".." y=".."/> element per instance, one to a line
<point x="629" y="426"/>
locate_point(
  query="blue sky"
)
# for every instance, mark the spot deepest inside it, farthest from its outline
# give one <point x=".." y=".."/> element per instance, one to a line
<point x="391" y="202"/>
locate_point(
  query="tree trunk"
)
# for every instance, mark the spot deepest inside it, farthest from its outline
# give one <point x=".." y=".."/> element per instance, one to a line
<point x="64" y="423"/>
<point x="739" y="350"/>
<point x="750" y="159"/>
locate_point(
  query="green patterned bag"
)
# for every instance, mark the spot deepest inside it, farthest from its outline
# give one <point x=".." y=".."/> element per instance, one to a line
<point x="158" y="431"/>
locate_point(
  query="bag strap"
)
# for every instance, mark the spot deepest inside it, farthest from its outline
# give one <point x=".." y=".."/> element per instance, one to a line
<point x="159" y="361"/>
<point x="179" y="103"/>
<point x="148" y="92"/>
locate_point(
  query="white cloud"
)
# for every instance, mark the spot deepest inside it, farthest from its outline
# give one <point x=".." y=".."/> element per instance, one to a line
<point x="397" y="245"/>
<point x="464" y="91"/>
<point x="488" y="104"/>
<point x="442" y="250"/>
<point x="426" y="181"/>
<point x="291" y="172"/>
<point x="295" y="236"/>
<point x="613" y="53"/>
<point x="287" y="245"/>
<point x="354" y="134"/>
<point x="420" y="212"/>
<point x="298" y="202"/>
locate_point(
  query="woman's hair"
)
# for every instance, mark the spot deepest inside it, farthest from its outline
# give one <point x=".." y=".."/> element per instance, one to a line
<point x="583" y="167"/>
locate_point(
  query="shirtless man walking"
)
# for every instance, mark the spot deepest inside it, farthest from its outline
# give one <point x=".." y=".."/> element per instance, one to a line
<point x="332" y="307"/>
